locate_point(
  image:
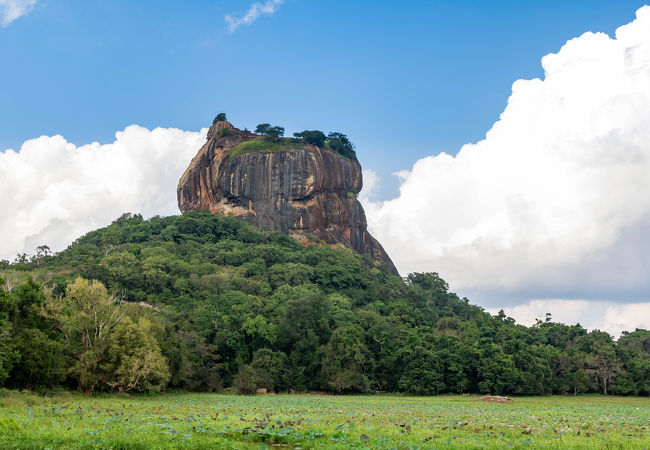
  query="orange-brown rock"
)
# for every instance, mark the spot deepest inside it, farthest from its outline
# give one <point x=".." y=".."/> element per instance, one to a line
<point x="300" y="189"/>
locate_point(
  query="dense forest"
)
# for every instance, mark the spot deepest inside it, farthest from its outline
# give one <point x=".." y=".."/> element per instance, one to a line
<point x="205" y="302"/>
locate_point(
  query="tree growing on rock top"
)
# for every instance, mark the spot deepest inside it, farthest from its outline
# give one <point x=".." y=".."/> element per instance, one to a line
<point x="271" y="132"/>
<point x="340" y="143"/>
<point x="315" y="137"/>
<point x="221" y="117"/>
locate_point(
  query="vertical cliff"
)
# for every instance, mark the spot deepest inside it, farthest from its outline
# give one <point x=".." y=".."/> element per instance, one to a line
<point x="285" y="185"/>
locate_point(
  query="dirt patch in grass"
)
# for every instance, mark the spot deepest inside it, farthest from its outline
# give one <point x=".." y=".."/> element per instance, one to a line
<point x="495" y="399"/>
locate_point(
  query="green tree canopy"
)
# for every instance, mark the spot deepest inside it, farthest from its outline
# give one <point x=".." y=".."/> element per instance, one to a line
<point x="262" y="128"/>
<point x="340" y="143"/>
<point x="271" y="132"/>
<point x="314" y="137"/>
<point x="136" y="359"/>
<point x="207" y="300"/>
<point x="86" y="317"/>
<point x="8" y="354"/>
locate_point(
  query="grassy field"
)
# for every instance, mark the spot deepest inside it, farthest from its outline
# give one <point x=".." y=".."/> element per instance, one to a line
<point x="69" y="420"/>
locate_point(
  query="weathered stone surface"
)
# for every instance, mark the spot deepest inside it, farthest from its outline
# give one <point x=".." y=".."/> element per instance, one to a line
<point x="304" y="191"/>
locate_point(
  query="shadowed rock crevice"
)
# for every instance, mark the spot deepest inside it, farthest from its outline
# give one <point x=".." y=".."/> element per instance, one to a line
<point x="300" y="190"/>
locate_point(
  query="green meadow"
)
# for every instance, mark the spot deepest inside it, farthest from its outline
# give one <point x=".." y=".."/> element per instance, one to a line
<point x="180" y="420"/>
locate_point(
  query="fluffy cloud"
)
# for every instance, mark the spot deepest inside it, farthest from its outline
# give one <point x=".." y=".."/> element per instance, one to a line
<point x="10" y="10"/>
<point x="255" y="10"/>
<point x="370" y="185"/>
<point x="54" y="191"/>
<point x="555" y="201"/>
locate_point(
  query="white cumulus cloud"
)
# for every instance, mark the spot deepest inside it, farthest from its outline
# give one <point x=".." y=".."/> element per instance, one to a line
<point x="370" y="185"/>
<point x="255" y="10"/>
<point x="556" y="198"/>
<point x="10" y="10"/>
<point x="52" y="192"/>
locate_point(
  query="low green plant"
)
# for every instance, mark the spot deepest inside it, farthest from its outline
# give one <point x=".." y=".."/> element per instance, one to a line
<point x="263" y="145"/>
<point x="180" y="420"/>
<point x="227" y="132"/>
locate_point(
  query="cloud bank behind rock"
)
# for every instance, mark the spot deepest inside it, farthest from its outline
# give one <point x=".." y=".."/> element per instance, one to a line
<point x="556" y="199"/>
<point x="53" y="191"/>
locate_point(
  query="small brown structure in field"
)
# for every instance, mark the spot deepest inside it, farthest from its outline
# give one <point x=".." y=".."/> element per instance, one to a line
<point x="261" y="390"/>
<point x="495" y="398"/>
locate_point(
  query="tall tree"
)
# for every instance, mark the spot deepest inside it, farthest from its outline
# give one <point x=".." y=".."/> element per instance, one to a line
<point x="601" y="361"/>
<point x="86" y="316"/>
<point x="8" y="354"/>
<point x="345" y="360"/>
<point x="135" y="357"/>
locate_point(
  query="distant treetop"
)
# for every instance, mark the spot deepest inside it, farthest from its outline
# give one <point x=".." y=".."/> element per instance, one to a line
<point x="314" y="137"/>
<point x="335" y="141"/>
<point x="262" y="128"/>
<point x="271" y="132"/>
<point x="340" y="143"/>
<point x="221" y="117"/>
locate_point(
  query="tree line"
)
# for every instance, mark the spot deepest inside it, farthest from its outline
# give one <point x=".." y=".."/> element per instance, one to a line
<point x="335" y="141"/>
<point x="204" y="302"/>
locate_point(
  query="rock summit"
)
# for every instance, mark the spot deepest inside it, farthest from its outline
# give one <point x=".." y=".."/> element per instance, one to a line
<point x="284" y="184"/>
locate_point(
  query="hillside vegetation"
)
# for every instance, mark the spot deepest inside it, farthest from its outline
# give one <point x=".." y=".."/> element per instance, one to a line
<point x="202" y="302"/>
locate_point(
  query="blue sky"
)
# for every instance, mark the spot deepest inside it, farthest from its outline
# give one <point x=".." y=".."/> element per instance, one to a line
<point x="403" y="80"/>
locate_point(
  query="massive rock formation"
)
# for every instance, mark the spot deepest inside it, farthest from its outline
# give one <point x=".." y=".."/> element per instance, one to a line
<point x="300" y="189"/>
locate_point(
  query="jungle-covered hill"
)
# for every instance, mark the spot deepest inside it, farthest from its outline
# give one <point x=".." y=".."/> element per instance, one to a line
<point x="203" y="301"/>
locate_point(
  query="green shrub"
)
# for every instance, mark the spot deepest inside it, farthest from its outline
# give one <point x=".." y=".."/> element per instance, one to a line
<point x="262" y="145"/>
<point x="227" y="132"/>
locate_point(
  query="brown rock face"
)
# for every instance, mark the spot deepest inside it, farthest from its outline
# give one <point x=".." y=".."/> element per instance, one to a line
<point x="304" y="190"/>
